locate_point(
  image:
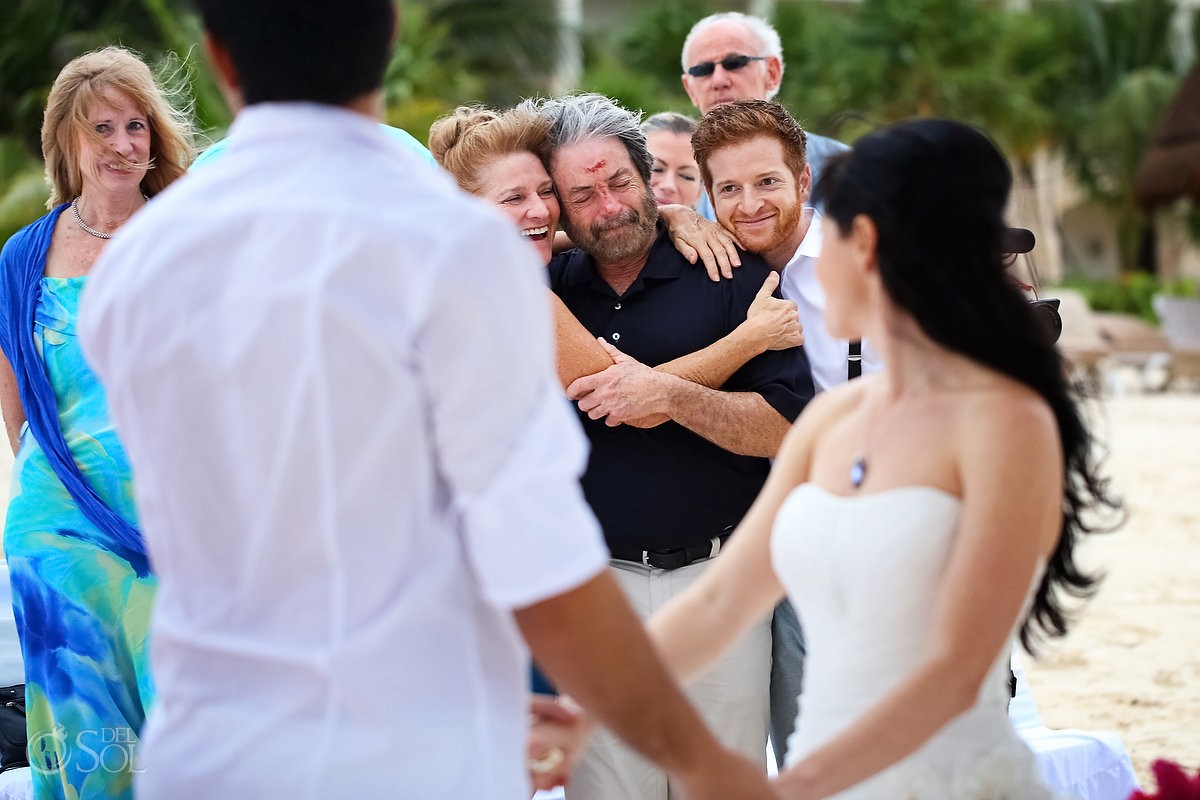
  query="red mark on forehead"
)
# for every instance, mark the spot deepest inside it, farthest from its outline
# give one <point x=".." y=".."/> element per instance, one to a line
<point x="599" y="165"/>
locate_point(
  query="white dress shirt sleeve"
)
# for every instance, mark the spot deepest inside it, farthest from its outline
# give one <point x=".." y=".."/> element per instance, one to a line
<point x="509" y="447"/>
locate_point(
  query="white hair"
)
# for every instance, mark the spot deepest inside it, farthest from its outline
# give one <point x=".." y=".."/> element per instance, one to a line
<point x="763" y="31"/>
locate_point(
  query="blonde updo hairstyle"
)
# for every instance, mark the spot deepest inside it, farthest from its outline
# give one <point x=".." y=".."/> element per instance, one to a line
<point x="78" y="88"/>
<point x="468" y="139"/>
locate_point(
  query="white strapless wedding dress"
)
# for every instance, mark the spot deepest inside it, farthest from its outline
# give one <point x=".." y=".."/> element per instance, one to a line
<point x="863" y="573"/>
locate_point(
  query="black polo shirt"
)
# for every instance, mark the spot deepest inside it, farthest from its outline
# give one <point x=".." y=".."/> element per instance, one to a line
<point x="664" y="488"/>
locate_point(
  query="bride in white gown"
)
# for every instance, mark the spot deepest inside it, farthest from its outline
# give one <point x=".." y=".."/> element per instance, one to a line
<point x="921" y="517"/>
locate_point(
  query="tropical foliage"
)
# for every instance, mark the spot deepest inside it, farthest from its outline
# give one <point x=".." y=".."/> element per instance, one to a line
<point x="38" y="37"/>
<point x="1088" y="78"/>
<point x="1131" y="293"/>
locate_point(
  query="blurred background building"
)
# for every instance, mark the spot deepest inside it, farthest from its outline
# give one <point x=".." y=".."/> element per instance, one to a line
<point x="1073" y="90"/>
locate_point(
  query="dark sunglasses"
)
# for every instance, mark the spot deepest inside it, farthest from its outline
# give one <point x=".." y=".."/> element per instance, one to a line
<point x="731" y="64"/>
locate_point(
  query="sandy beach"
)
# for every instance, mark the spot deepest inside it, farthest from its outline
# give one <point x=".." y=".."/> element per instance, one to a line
<point x="1132" y="662"/>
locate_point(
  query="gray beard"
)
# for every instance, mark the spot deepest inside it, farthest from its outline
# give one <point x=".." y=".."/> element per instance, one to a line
<point x="619" y="239"/>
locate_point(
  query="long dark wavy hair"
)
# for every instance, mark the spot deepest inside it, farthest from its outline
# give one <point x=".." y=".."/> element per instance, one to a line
<point x="936" y="192"/>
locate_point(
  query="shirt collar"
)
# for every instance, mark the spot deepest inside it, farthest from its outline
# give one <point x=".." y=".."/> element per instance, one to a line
<point x="811" y="246"/>
<point x="302" y="121"/>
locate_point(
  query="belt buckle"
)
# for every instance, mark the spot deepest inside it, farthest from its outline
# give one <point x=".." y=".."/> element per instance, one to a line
<point x="646" y="558"/>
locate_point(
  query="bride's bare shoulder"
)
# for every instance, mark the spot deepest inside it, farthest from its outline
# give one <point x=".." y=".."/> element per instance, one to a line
<point x="1007" y="417"/>
<point x="1009" y="399"/>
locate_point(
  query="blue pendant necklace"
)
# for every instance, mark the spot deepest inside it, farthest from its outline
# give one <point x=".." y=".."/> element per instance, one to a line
<point x="858" y="468"/>
<point x="858" y="471"/>
<point x="919" y="383"/>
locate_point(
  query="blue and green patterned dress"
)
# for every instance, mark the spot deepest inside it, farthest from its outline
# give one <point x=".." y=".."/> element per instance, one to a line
<point x="82" y="605"/>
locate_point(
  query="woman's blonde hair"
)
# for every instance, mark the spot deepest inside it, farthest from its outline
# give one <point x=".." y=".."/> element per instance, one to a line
<point x="468" y="139"/>
<point x="81" y="85"/>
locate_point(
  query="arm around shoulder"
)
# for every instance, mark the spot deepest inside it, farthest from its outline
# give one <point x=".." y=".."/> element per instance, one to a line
<point x="755" y="408"/>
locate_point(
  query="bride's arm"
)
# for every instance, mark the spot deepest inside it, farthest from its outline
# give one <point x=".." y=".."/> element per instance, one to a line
<point x="741" y="587"/>
<point x="1010" y="467"/>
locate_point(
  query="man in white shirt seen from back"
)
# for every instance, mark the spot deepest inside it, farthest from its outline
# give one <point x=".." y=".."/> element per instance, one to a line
<point x="357" y="500"/>
<point x="752" y="157"/>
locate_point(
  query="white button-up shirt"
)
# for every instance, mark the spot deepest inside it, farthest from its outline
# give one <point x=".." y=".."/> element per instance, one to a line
<point x="798" y="282"/>
<point x="333" y="374"/>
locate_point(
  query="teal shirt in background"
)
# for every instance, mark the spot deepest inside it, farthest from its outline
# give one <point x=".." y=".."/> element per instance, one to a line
<point x="407" y="139"/>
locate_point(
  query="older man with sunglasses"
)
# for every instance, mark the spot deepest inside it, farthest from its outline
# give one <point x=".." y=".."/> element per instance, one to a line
<point x="733" y="56"/>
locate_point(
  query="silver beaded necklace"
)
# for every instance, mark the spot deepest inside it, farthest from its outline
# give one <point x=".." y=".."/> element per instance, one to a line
<point x="84" y="225"/>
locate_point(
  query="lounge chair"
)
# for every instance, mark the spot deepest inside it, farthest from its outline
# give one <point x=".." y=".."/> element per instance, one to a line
<point x="1140" y="352"/>
<point x="1081" y="342"/>
<point x="1180" y="318"/>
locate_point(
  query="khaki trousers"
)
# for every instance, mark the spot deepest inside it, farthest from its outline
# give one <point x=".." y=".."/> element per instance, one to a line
<point x="731" y="696"/>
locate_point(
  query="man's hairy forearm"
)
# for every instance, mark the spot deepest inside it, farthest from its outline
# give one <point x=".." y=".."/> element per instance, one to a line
<point x="741" y="422"/>
<point x="713" y="365"/>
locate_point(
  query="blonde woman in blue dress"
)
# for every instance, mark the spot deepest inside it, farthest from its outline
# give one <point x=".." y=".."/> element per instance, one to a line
<point x="82" y="586"/>
<point x="921" y="517"/>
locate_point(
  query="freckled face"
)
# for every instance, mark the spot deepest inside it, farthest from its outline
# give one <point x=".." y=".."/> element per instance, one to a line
<point x="521" y="187"/>
<point x="758" y="198"/>
<point x="675" y="176"/>
<point x="125" y="131"/>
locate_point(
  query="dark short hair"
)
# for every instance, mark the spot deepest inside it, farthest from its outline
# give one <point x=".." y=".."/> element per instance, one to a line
<point x="744" y="120"/>
<point x="304" y="50"/>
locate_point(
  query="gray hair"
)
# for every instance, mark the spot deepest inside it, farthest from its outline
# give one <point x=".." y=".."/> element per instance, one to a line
<point x="669" y="122"/>
<point x="580" y="117"/>
<point x="763" y="31"/>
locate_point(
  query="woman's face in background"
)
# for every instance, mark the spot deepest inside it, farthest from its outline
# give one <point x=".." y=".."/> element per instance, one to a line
<point x="125" y="132"/>
<point x="674" y="175"/>
<point x="519" y="184"/>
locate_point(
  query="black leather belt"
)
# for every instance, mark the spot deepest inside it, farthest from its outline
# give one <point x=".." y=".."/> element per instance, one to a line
<point x="674" y="559"/>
